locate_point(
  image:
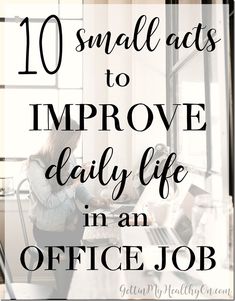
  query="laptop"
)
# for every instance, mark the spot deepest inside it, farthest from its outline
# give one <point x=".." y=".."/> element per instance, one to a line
<point x="178" y="234"/>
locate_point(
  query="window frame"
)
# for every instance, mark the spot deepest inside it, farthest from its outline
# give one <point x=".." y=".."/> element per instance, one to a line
<point x="174" y="64"/>
<point x="45" y="87"/>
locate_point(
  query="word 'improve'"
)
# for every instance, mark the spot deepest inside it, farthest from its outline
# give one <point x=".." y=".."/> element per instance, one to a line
<point x="109" y="114"/>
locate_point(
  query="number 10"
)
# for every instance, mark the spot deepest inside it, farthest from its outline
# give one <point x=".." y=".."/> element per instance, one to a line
<point x="26" y="22"/>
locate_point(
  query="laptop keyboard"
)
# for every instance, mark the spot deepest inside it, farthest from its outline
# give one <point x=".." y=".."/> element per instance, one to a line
<point x="160" y="236"/>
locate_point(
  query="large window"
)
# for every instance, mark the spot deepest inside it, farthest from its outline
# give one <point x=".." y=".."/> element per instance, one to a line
<point x="17" y="91"/>
<point x="202" y="77"/>
<point x="20" y="90"/>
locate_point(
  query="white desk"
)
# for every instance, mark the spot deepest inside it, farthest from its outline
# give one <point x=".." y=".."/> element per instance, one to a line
<point x="104" y="284"/>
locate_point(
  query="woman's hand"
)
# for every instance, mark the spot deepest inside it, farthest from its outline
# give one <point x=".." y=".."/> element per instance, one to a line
<point x="85" y="166"/>
<point x="100" y="203"/>
<point x="76" y="183"/>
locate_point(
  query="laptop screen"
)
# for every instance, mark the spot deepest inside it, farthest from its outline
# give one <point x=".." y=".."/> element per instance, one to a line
<point x="183" y="223"/>
<point x="183" y="228"/>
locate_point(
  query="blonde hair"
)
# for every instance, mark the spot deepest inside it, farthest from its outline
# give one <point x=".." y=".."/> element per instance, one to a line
<point x="56" y="141"/>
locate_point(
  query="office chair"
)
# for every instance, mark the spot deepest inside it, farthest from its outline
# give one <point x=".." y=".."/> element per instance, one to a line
<point x="5" y="273"/>
<point x="32" y="252"/>
<point x="21" y="290"/>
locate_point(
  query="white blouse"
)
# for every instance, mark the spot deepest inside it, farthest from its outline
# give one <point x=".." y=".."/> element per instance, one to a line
<point x="52" y="211"/>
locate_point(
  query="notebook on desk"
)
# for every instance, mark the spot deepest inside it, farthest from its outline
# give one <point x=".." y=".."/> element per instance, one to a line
<point x="111" y="233"/>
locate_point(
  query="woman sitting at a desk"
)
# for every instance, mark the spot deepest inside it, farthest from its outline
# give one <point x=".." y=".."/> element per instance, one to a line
<point x="56" y="218"/>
